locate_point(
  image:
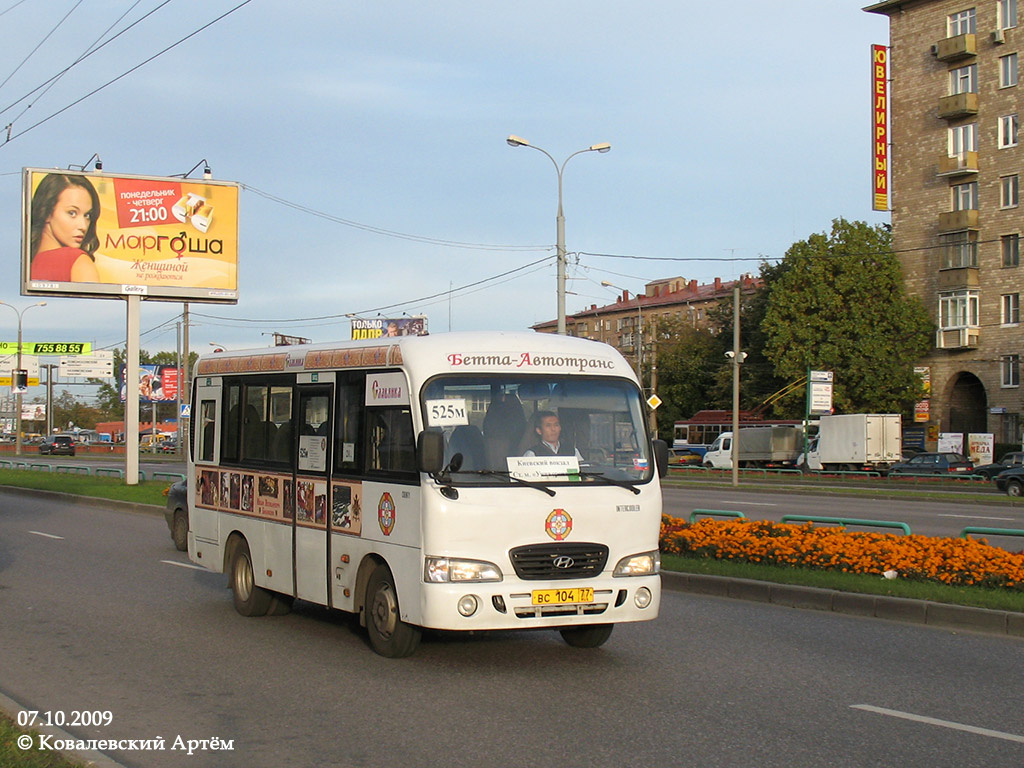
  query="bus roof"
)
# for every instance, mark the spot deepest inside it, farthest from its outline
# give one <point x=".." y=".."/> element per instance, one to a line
<point x="519" y="352"/>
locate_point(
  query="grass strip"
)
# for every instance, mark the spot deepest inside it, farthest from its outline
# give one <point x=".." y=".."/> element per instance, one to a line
<point x="149" y="492"/>
<point x="12" y="756"/>
<point x="975" y="597"/>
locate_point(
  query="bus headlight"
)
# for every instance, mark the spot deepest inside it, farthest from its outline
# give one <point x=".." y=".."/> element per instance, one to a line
<point x="438" y="570"/>
<point x="643" y="564"/>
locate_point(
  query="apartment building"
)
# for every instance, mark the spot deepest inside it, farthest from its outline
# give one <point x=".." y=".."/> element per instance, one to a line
<point x="627" y="323"/>
<point x="956" y="164"/>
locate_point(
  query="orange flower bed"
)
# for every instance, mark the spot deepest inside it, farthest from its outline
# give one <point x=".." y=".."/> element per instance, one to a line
<point x="957" y="562"/>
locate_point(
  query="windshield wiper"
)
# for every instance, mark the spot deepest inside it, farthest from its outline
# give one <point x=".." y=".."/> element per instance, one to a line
<point x="611" y="481"/>
<point x="504" y="473"/>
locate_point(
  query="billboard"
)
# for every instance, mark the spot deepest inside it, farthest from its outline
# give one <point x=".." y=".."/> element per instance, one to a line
<point x="100" y="235"/>
<point x="880" y="127"/>
<point x="157" y="384"/>
<point x="376" y="327"/>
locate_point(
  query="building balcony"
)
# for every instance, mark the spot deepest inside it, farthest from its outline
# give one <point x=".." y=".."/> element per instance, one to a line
<point x="958" y="105"/>
<point x="957" y="338"/>
<point x="964" y="164"/>
<point x="954" y="48"/>
<point x="958" y="278"/>
<point x="954" y="221"/>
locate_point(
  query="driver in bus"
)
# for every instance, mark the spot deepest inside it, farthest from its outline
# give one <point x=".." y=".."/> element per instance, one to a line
<point x="549" y="432"/>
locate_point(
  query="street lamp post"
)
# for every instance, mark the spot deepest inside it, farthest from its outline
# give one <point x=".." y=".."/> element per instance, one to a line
<point x="517" y="141"/>
<point x="17" y="403"/>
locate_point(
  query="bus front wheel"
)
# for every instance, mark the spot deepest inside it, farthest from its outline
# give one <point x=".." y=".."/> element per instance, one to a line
<point x="250" y="600"/>
<point x="587" y="637"/>
<point x="389" y="635"/>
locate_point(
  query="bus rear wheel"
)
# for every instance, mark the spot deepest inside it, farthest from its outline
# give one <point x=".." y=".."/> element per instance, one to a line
<point x="587" y="637"/>
<point x="389" y="635"/>
<point x="250" y="600"/>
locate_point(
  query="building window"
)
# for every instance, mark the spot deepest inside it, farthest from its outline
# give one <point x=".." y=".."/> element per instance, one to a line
<point x="1009" y="191"/>
<point x="958" y="309"/>
<point x="963" y="138"/>
<point x="1007" y="10"/>
<point x="1010" y="246"/>
<point x="1008" y="70"/>
<point x="961" y="23"/>
<point x="1010" y="365"/>
<point x="965" y="196"/>
<point x="1007" y="131"/>
<point x="1011" y="309"/>
<point x="963" y="80"/>
<point x="959" y="249"/>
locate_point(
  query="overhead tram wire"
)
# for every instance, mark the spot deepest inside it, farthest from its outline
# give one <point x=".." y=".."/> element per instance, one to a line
<point x="133" y="69"/>
<point x="93" y="48"/>
<point x="40" y="43"/>
<point x="11" y="8"/>
<point x="388" y="232"/>
<point x="344" y="315"/>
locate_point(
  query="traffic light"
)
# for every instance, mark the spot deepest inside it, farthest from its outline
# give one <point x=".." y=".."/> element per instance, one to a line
<point x="19" y="383"/>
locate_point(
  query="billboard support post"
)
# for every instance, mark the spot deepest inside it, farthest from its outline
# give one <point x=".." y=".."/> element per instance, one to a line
<point x="131" y="402"/>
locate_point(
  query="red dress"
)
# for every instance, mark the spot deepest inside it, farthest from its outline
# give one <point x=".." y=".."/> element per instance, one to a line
<point x="55" y="265"/>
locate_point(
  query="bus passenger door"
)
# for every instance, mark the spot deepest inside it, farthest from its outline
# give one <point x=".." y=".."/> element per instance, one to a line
<point x="312" y="492"/>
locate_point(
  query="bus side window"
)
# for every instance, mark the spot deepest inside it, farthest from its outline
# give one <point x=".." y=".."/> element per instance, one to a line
<point x="209" y="419"/>
<point x="348" y="422"/>
<point x="232" y="423"/>
<point x="391" y="447"/>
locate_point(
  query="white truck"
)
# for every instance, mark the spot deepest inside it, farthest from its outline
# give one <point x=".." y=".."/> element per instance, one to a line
<point x="856" y="442"/>
<point x="773" y="446"/>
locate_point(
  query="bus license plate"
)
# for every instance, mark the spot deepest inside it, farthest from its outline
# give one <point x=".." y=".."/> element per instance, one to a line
<point x="563" y="596"/>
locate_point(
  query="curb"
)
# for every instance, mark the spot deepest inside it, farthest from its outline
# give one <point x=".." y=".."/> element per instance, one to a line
<point x="959" y="617"/>
<point x="88" y="501"/>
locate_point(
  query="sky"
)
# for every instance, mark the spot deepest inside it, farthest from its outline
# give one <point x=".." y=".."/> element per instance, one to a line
<point x="370" y="143"/>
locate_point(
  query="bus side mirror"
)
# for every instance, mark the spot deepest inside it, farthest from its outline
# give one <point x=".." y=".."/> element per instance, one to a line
<point x="661" y="457"/>
<point x="430" y="451"/>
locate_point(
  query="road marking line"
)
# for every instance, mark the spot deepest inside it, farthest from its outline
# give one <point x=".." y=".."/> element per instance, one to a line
<point x="184" y="565"/>
<point x="977" y="517"/>
<point x="47" y="535"/>
<point x="754" y="503"/>
<point x="942" y="723"/>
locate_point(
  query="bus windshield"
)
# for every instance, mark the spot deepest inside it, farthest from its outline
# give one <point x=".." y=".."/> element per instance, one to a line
<point x="549" y="429"/>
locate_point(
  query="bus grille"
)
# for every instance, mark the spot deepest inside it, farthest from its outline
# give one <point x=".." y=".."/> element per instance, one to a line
<point x="538" y="562"/>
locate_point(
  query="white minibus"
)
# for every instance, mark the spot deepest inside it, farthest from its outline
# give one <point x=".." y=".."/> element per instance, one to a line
<point x="461" y="481"/>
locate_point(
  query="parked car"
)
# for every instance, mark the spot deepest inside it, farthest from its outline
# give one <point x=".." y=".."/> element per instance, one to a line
<point x="58" y="445"/>
<point x="176" y="514"/>
<point x="1012" y="459"/>
<point x="934" y="464"/>
<point x="1011" y="480"/>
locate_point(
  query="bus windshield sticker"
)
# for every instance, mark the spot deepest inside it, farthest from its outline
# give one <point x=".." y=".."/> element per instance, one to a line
<point x="543" y="467"/>
<point x="447" y="413"/>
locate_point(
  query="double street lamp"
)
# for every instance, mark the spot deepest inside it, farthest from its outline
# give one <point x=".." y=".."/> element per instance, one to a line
<point x="18" y="368"/>
<point x="517" y="141"/>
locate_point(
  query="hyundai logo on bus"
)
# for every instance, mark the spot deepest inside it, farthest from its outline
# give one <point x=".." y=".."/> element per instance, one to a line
<point x="563" y="562"/>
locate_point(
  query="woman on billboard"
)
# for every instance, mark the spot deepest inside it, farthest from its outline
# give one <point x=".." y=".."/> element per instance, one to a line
<point x="65" y="209"/>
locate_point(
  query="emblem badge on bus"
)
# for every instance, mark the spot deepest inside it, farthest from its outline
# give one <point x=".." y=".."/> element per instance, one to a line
<point x="558" y="524"/>
<point x="386" y="513"/>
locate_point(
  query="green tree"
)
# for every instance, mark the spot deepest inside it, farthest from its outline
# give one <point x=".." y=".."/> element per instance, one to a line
<point x="68" y="410"/>
<point x="838" y="303"/>
<point x="687" y="360"/>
